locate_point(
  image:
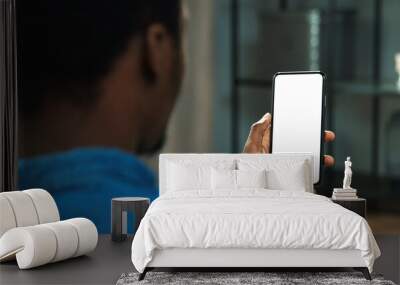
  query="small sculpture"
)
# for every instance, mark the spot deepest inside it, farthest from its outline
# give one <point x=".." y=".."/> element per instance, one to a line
<point x="347" y="192"/>
<point x="348" y="173"/>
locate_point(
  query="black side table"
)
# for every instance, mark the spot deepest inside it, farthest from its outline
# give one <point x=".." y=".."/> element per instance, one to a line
<point x="357" y="205"/>
<point x="119" y="208"/>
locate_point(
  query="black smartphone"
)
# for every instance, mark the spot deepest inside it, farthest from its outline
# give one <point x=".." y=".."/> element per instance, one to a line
<point x="298" y="114"/>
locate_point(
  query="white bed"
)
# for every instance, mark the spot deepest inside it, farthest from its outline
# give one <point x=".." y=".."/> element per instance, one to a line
<point x="248" y="227"/>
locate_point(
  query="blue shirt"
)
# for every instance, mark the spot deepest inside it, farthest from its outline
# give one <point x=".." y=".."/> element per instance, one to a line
<point x="84" y="180"/>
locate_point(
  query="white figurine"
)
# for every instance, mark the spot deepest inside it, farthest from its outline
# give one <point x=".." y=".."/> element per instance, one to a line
<point x="348" y="173"/>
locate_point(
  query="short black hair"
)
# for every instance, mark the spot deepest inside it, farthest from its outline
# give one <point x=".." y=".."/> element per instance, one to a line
<point x="66" y="46"/>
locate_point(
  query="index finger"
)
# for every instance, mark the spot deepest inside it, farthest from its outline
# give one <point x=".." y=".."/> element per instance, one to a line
<point x="329" y="136"/>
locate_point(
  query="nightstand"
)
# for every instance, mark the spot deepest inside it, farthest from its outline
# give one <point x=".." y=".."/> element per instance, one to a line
<point x="357" y="205"/>
<point x="119" y="208"/>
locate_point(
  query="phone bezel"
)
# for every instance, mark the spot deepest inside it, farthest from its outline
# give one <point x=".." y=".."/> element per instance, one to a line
<point x="322" y="115"/>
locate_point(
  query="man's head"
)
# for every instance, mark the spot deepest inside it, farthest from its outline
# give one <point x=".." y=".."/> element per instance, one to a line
<point x="102" y="72"/>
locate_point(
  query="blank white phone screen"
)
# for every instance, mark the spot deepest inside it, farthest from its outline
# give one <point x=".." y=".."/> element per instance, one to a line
<point x="297" y="114"/>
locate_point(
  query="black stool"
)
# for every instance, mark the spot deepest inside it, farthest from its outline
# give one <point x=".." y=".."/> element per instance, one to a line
<point x="119" y="208"/>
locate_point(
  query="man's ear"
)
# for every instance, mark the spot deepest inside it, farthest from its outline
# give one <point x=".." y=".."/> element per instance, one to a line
<point x="158" y="53"/>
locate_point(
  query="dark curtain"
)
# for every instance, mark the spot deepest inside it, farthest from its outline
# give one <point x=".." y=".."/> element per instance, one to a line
<point x="8" y="96"/>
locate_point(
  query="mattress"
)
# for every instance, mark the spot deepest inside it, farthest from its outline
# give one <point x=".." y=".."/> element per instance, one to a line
<point x="252" y="219"/>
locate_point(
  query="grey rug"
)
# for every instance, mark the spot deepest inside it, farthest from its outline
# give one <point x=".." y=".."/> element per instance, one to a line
<point x="226" y="278"/>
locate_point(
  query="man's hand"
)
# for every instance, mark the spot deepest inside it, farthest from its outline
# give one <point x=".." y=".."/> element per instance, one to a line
<point x="260" y="137"/>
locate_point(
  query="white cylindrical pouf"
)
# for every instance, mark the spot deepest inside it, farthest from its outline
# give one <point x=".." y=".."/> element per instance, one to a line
<point x="87" y="235"/>
<point x="45" y="205"/>
<point x="7" y="218"/>
<point x="67" y="239"/>
<point x="23" y="207"/>
<point x="33" y="246"/>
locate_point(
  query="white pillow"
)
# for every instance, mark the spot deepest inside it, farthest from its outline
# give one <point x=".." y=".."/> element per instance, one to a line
<point x="181" y="177"/>
<point x="226" y="179"/>
<point x="251" y="178"/>
<point x="293" y="178"/>
<point x="282" y="174"/>
<point x="223" y="179"/>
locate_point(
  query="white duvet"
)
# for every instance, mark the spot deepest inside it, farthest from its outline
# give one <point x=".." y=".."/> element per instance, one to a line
<point x="250" y="219"/>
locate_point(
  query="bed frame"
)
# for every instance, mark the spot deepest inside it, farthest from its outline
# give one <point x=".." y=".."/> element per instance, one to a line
<point x="248" y="259"/>
<point x="260" y="259"/>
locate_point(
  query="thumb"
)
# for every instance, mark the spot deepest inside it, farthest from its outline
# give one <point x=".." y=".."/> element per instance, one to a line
<point x="259" y="128"/>
<point x="255" y="141"/>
